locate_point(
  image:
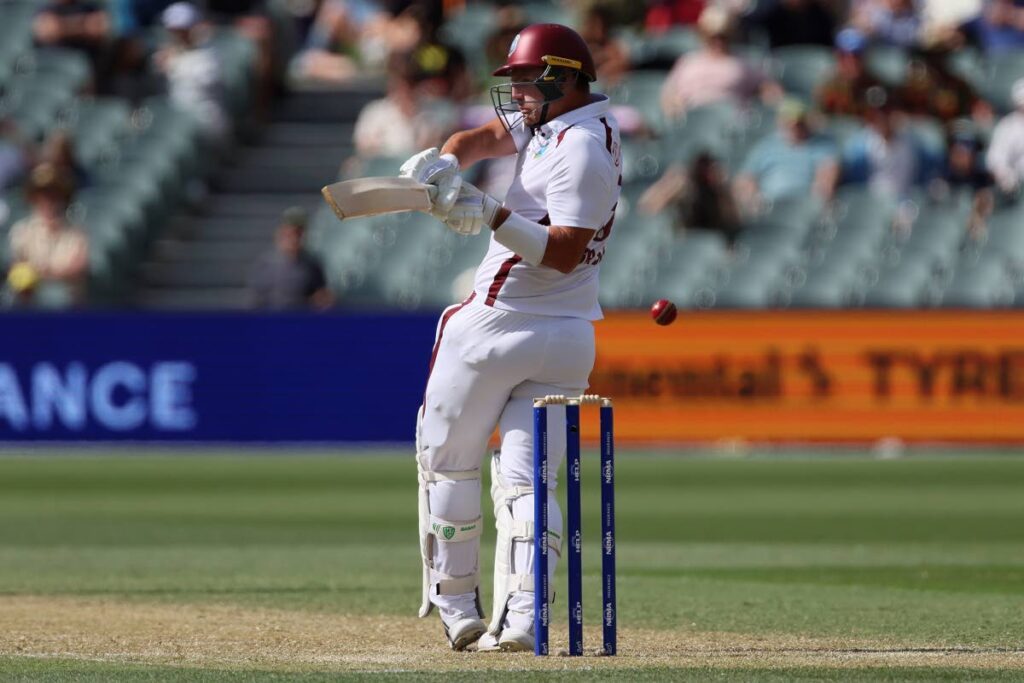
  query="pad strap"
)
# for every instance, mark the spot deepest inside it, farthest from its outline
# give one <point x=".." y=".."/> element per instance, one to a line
<point x="443" y="584"/>
<point x="455" y="532"/>
<point x="434" y="477"/>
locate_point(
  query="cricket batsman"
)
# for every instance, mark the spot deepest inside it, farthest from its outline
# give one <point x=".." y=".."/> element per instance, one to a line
<point x="525" y="332"/>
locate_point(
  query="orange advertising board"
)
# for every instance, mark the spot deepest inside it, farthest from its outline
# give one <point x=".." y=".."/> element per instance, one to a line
<point x="814" y="376"/>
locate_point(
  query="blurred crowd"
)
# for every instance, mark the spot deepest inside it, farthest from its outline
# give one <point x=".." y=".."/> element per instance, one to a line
<point x="905" y="97"/>
<point x="874" y="93"/>
<point x="134" y="50"/>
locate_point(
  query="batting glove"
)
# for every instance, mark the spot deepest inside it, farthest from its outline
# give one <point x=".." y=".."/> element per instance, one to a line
<point x="439" y="170"/>
<point x="471" y="211"/>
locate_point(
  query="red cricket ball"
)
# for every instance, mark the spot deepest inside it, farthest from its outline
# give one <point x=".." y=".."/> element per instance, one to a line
<point x="664" y="312"/>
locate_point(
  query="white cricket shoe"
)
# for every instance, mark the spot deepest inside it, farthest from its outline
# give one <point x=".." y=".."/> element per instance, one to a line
<point x="509" y="640"/>
<point x="488" y="643"/>
<point x="514" y="640"/>
<point x="463" y="632"/>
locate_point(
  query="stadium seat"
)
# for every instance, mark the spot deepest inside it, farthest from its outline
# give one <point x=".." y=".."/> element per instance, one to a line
<point x="696" y="261"/>
<point x="831" y="285"/>
<point x="540" y="12"/>
<point x="713" y="128"/>
<point x="900" y="287"/>
<point x="469" y="29"/>
<point x="34" y="106"/>
<point x="97" y="126"/>
<point x="751" y="285"/>
<point x="661" y="49"/>
<point x="642" y="90"/>
<point x="983" y="285"/>
<point x="1005" y="233"/>
<point x="968" y="63"/>
<point x="643" y="161"/>
<point x="237" y="55"/>
<point x="15" y="35"/>
<point x="888" y="63"/>
<point x="802" y="68"/>
<point x="936" y="233"/>
<point x="58" y="68"/>
<point x="1000" y="73"/>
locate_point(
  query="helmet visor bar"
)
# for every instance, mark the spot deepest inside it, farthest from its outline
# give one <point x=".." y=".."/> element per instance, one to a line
<point x="545" y="89"/>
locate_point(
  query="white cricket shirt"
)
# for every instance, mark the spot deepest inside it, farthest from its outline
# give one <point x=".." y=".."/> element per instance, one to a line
<point x="568" y="173"/>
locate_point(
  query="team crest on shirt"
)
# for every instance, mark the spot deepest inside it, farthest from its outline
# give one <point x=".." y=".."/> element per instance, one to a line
<point x="540" y="149"/>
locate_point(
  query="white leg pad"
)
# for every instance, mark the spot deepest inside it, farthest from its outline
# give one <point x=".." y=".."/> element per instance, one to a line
<point x="434" y="529"/>
<point x="509" y="532"/>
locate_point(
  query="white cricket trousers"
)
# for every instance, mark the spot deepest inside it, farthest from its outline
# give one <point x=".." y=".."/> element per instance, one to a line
<point x="488" y="366"/>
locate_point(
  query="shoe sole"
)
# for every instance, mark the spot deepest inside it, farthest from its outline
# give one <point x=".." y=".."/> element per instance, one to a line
<point x="513" y="646"/>
<point x="467" y="639"/>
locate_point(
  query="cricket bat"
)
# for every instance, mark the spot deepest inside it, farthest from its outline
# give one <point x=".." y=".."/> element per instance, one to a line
<point x="373" y="196"/>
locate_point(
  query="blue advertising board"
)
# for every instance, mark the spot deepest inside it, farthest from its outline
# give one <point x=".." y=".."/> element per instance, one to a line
<point x="97" y="376"/>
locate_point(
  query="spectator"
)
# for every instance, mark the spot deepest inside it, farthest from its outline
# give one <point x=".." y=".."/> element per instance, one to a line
<point x="348" y="38"/>
<point x="884" y="154"/>
<point x="193" y="72"/>
<point x="942" y="21"/>
<point x="611" y="56"/>
<point x="409" y="117"/>
<point x="59" y="150"/>
<point x="1005" y="158"/>
<point x="999" y="28"/>
<point x="792" y="163"/>
<point x="890" y="22"/>
<point x="851" y="88"/>
<point x="701" y="196"/>
<point x="965" y="174"/>
<point x="712" y="74"/>
<point x="252" y="20"/>
<point x="931" y="89"/>
<point x="81" y="25"/>
<point x="289" y="277"/>
<point x="44" y="248"/>
<point x="796" y="22"/>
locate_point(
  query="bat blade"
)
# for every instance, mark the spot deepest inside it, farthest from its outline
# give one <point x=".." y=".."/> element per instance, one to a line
<point x="373" y="196"/>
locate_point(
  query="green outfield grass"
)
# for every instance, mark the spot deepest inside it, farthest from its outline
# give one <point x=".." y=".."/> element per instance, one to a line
<point x="917" y="557"/>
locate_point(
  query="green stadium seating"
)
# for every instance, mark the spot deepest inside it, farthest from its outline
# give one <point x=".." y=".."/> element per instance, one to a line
<point x="237" y="55"/>
<point x="696" y="261"/>
<point x="660" y="48"/>
<point x="982" y="285"/>
<point x="34" y="105"/>
<point x="469" y="30"/>
<point x="901" y="287"/>
<point x="755" y="284"/>
<point x="713" y="128"/>
<point x="643" y="161"/>
<point x="1005" y="233"/>
<point x="831" y="285"/>
<point x="97" y="127"/>
<point x="997" y="80"/>
<point x="540" y="12"/>
<point x="967" y="63"/>
<point x="802" y="68"/>
<point x="642" y="90"/>
<point x="59" y="68"/>
<point x="888" y="63"/>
